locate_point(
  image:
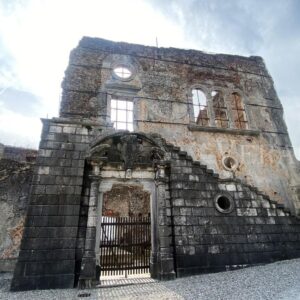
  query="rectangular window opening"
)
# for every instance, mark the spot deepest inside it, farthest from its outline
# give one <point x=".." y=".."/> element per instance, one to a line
<point x="238" y="112"/>
<point x="221" y="119"/>
<point x="122" y="114"/>
<point x="220" y="109"/>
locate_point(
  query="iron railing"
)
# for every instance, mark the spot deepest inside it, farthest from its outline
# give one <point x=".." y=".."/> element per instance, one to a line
<point x="125" y="245"/>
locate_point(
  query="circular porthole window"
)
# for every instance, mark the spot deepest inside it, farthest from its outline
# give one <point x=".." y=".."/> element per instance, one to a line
<point x="224" y="203"/>
<point x="229" y="163"/>
<point x="122" y="72"/>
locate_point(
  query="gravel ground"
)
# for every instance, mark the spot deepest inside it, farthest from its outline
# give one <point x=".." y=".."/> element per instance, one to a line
<point x="279" y="280"/>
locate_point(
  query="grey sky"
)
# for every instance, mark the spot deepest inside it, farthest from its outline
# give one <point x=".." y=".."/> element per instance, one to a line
<point x="36" y="37"/>
<point x="20" y="101"/>
<point x="268" y="28"/>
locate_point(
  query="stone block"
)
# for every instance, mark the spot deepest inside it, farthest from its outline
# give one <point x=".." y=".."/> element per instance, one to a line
<point x="65" y="163"/>
<point x="69" y="129"/>
<point x="280" y="213"/>
<point x="192" y="220"/>
<point x="271" y="212"/>
<point x="90" y="244"/>
<point x="55" y="129"/>
<point x="68" y="210"/>
<point x="50" y="145"/>
<point x="180" y="220"/>
<point x="52" y="189"/>
<point x="265" y="203"/>
<point x="255" y="204"/>
<point x="34" y="210"/>
<point x="270" y="220"/>
<point x="80" y="147"/>
<point x="49" y="210"/>
<point x="90" y="232"/>
<point x="43" y="170"/>
<point x="67" y="146"/>
<point x="185" y="211"/>
<point x="178" y="202"/>
<point x="47" y="179"/>
<point x="77" y="163"/>
<point x="56" y="171"/>
<point x="82" y="130"/>
<point x="45" y="153"/>
<point x="231" y="187"/>
<point x="246" y="212"/>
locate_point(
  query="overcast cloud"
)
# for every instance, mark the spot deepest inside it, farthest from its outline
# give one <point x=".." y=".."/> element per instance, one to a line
<point x="269" y="28"/>
<point x="36" y="37"/>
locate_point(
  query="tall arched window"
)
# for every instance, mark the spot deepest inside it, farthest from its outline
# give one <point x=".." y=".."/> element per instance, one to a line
<point x="238" y="111"/>
<point x="220" y="110"/>
<point x="200" y="108"/>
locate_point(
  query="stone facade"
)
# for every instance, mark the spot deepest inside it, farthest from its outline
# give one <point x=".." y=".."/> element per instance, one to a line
<point x="220" y="173"/>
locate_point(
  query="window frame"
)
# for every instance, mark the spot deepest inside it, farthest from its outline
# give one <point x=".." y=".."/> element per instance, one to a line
<point x="129" y="67"/>
<point x="211" y="113"/>
<point x="126" y="110"/>
<point x="223" y="109"/>
<point x="237" y="110"/>
<point x="197" y="118"/>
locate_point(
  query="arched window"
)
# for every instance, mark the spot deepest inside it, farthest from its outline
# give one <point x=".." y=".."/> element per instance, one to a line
<point x="220" y="110"/>
<point x="200" y="108"/>
<point x="238" y="111"/>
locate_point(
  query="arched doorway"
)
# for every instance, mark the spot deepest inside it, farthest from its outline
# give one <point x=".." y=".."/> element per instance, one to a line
<point x="128" y="166"/>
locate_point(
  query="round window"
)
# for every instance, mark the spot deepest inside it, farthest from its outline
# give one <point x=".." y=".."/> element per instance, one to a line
<point x="224" y="203"/>
<point x="122" y="72"/>
<point x="229" y="163"/>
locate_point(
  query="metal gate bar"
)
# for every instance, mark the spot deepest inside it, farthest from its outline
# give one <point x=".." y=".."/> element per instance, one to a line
<point x="125" y="245"/>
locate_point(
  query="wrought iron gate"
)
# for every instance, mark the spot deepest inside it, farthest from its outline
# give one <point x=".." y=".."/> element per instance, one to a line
<point x="125" y="245"/>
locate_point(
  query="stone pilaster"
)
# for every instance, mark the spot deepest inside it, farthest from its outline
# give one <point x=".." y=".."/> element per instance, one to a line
<point x="88" y="264"/>
<point x="162" y="259"/>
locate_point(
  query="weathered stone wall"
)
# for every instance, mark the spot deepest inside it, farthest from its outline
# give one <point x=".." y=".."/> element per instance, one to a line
<point x="124" y="201"/>
<point x="47" y="255"/>
<point x="257" y="230"/>
<point x="15" y="179"/>
<point x="18" y="154"/>
<point x="161" y="90"/>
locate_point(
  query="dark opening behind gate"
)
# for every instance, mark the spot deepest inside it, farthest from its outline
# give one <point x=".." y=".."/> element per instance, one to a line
<point x="125" y="245"/>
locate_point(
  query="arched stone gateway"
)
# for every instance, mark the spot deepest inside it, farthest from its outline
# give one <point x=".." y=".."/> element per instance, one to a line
<point x="127" y="177"/>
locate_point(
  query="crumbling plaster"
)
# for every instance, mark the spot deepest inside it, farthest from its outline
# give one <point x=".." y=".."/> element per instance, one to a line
<point x="15" y="178"/>
<point x="161" y="90"/>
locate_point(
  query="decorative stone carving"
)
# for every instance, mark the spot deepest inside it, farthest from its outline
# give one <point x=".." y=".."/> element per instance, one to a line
<point x="160" y="172"/>
<point x="129" y="150"/>
<point x="128" y="174"/>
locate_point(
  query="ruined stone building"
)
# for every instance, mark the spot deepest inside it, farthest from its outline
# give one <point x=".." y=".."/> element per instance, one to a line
<point x="192" y="144"/>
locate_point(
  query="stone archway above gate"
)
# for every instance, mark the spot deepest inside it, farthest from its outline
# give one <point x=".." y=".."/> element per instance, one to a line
<point x="127" y="150"/>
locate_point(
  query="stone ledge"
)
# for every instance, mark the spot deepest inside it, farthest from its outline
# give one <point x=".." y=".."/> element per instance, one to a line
<point x="73" y="121"/>
<point x="251" y="132"/>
